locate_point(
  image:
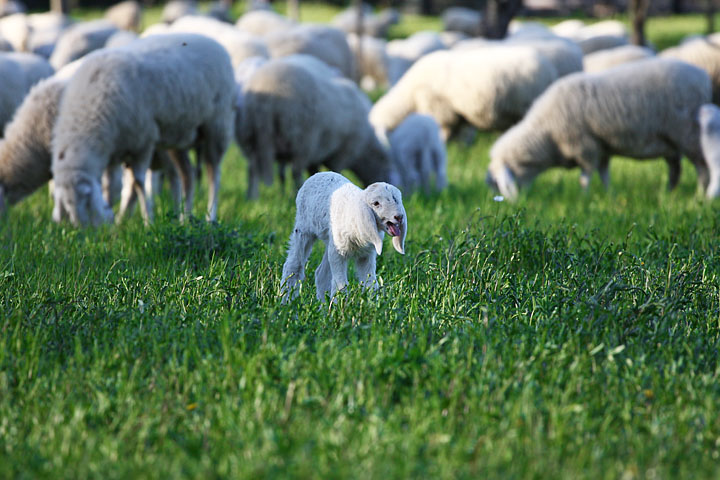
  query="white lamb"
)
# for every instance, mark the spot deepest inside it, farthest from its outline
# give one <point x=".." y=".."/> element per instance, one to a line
<point x="174" y="90"/>
<point x="418" y="153"/>
<point x="351" y="222"/>
<point x="490" y="88"/>
<point x="709" y="118"/>
<point x="644" y="109"/>
<point x="295" y="111"/>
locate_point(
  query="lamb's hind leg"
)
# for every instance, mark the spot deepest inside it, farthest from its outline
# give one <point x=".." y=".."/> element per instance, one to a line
<point x="323" y="277"/>
<point x="294" y="267"/>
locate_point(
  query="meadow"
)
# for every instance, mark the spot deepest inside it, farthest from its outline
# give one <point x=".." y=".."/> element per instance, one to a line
<point x="571" y="334"/>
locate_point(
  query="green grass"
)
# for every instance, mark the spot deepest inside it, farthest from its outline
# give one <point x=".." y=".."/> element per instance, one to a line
<point x="569" y="335"/>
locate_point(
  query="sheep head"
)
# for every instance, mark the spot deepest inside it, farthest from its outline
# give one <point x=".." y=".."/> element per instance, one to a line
<point x="385" y="201"/>
<point x="79" y="198"/>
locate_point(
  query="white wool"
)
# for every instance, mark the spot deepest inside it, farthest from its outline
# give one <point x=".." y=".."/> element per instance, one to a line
<point x="351" y="222"/>
<point x="709" y="117"/>
<point x="643" y="109"/>
<point x="81" y="39"/>
<point x="489" y="88"/>
<point x="418" y="153"/>
<point x="174" y="90"/>
<point x="612" y="57"/>
<point x="296" y="112"/>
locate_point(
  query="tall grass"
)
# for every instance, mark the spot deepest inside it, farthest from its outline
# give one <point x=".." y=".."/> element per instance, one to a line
<point x="570" y="335"/>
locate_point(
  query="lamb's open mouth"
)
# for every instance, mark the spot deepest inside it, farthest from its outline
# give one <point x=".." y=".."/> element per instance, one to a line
<point x="392" y="229"/>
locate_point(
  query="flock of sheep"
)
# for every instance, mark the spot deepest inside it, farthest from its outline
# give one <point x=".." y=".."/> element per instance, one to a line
<point x="106" y="112"/>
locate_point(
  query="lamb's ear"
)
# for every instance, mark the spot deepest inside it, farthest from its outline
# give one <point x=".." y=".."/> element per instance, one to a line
<point x="368" y="225"/>
<point x="399" y="241"/>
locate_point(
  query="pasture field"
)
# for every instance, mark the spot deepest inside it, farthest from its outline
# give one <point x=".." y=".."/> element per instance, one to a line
<point x="568" y="335"/>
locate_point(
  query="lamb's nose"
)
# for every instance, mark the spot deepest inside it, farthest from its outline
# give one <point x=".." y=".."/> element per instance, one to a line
<point x="398" y="218"/>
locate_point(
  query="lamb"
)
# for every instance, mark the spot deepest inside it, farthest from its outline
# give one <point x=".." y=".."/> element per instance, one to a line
<point x="19" y="72"/>
<point x="324" y="42"/>
<point x="351" y="222"/>
<point x="418" y="153"/>
<point x="490" y="88"/>
<point x="81" y="39"/>
<point x="126" y="15"/>
<point x="604" y="59"/>
<point x="173" y="90"/>
<point x="703" y="52"/>
<point x="644" y="109"/>
<point x="295" y="112"/>
<point x="709" y="117"/>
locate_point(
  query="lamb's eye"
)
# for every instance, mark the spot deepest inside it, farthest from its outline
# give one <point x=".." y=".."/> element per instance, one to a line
<point x="376" y="204"/>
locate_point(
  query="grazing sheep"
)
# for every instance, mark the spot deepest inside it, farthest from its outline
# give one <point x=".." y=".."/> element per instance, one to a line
<point x="239" y="45"/>
<point x="16" y="30"/>
<point x="173" y="90"/>
<point x="703" y="52"/>
<point x="45" y="31"/>
<point x="490" y="88"/>
<point x="295" y="112"/>
<point x="463" y="20"/>
<point x="604" y="59"/>
<point x="81" y="39"/>
<point x="374" y="62"/>
<point x="709" y="117"/>
<point x="645" y="109"/>
<point x="351" y="223"/>
<point x="26" y="151"/>
<point x="125" y="15"/>
<point x="373" y="25"/>
<point x="18" y="73"/>
<point x="176" y="9"/>
<point x="402" y="54"/>
<point x="263" y="22"/>
<point x="418" y="153"/>
<point x="565" y="55"/>
<point x="324" y="42"/>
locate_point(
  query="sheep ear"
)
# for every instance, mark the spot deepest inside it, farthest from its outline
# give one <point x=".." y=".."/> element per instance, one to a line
<point x="506" y="183"/>
<point x="378" y="244"/>
<point x="382" y="137"/>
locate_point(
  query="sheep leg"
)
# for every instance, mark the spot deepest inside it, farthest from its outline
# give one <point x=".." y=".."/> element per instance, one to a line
<point x="213" y="173"/>
<point x="127" y="196"/>
<point x="146" y="202"/>
<point x="674" y="169"/>
<point x="294" y="267"/>
<point x="186" y="172"/>
<point x="338" y="269"/>
<point x="365" y="270"/>
<point x="112" y="183"/>
<point x="323" y="277"/>
<point x="585" y="177"/>
<point x="604" y="171"/>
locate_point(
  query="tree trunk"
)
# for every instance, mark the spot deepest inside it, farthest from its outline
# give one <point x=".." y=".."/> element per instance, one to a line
<point x="294" y="10"/>
<point x="710" y="15"/>
<point x="60" y="6"/>
<point x="497" y="16"/>
<point x="638" y="9"/>
<point x="359" y="31"/>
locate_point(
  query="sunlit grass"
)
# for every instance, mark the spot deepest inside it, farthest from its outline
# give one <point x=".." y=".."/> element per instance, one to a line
<point x="569" y="335"/>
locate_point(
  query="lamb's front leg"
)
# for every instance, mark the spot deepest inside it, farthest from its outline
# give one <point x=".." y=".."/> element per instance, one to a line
<point x="338" y="269"/>
<point x="293" y="273"/>
<point x="365" y="270"/>
<point x="323" y="277"/>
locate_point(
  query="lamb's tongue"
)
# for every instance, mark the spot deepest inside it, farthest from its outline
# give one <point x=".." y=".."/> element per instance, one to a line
<point x="394" y="229"/>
